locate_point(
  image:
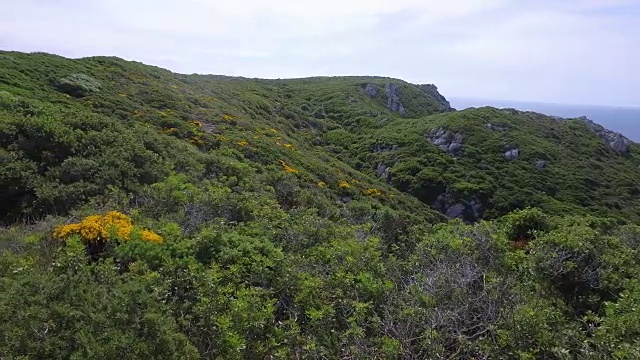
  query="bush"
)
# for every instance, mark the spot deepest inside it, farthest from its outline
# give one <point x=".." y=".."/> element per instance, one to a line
<point x="78" y="85"/>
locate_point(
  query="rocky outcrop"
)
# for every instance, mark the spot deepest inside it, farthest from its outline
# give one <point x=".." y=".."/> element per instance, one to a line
<point x="446" y="140"/>
<point x="384" y="148"/>
<point x="393" y="99"/>
<point x="615" y="140"/>
<point x="467" y="210"/>
<point x="371" y="90"/>
<point x="432" y="91"/>
<point x="496" y="127"/>
<point x="383" y="172"/>
<point x="512" y="154"/>
<point x="541" y="164"/>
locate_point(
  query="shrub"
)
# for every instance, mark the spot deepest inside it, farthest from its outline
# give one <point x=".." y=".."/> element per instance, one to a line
<point x="78" y="85"/>
<point x="101" y="228"/>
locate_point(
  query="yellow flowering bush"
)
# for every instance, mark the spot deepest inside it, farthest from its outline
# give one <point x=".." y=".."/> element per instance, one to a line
<point x="227" y="117"/>
<point x="288" y="146"/>
<point x="196" y="141"/>
<point x="343" y="184"/>
<point x="97" y="228"/>
<point x="322" y="184"/>
<point x="288" y="168"/>
<point x="242" y="143"/>
<point x="373" y="192"/>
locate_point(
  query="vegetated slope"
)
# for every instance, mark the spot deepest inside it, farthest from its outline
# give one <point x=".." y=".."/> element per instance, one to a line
<point x="483" y="163"/>
<point x="73" y="128"/>
<point x="157" y="215"/>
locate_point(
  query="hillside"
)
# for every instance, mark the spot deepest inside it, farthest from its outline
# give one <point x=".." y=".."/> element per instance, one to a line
<point x="201" y="216"/>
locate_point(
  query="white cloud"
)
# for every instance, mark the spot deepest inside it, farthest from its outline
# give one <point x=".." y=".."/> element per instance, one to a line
<point x="573" y="50"/>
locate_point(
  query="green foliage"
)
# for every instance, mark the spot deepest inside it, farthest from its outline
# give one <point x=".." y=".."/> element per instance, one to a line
<point x="303" y="219"/>
<point x="78" y="85"/>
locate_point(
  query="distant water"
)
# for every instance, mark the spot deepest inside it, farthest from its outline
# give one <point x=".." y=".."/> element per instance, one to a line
<point x="625" y="120"/>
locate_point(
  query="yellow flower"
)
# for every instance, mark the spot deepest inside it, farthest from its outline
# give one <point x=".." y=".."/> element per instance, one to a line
<point x="242" y="143"/>
<point x="343" y="184"/>
<point x="151" y="236"/>
<point x="288" y="146"/>
<point x="94" y="228"/>
<point x="288" y="168"/>
<point x="227" y="117"/>
<point x="196" y="141"/>
<point x="322" y="184"/>
<point x="373" y="192"/>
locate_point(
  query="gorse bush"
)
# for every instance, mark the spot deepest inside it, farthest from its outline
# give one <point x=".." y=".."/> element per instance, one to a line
<point x="97" y="228"/>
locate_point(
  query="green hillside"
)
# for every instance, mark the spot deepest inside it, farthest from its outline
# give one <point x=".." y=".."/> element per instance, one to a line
<point x="148" y="214"/>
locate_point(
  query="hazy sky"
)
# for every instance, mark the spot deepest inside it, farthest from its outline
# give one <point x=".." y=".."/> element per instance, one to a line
<point x="572" y="51"/>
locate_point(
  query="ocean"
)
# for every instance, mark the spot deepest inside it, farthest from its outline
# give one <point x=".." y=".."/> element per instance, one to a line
<point x="625" y="120"/>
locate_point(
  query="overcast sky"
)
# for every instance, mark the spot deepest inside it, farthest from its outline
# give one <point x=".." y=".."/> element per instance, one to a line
<point x="570" y="51"/>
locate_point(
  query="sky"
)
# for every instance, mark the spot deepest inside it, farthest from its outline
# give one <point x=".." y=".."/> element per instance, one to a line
<point x="561" y="51"/>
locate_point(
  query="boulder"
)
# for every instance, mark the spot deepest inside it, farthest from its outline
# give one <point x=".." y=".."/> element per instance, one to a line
<point x="469" y="210"/>
<point x="447" y="141"/>
<point x="456" y="211"/>
<point x="512" y="154"/>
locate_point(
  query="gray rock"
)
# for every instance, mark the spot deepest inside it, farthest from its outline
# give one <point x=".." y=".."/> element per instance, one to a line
<point x="615" y="140"/>
<point x="386" y="175"/>
<point x="454" y="147"/>
<point x="512" y="154"/>
<point x="371" y="90"/>
<point x="345" y="199"/>
<point x="456" y="211"/>
<point x="383" y="172"/>
<point x="393" y="99"/>
<point x="541" y="164"/>
<point x="384" y="148"/>
<point x="469" y="211"/>
<point x="381" y="169"/>
<point x="447" y="141"/>
<point x="496" y="127"/>
<point x="476" y="208"/>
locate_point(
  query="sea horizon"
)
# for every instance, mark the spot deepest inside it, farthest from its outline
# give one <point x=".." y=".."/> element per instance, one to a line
<point x="623" y="119"/>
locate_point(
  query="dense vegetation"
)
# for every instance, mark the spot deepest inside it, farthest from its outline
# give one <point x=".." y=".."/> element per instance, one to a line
<point x="147" y="214"/>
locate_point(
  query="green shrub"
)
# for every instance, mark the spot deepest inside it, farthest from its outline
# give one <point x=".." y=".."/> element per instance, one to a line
<point x="78" y="85"/>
